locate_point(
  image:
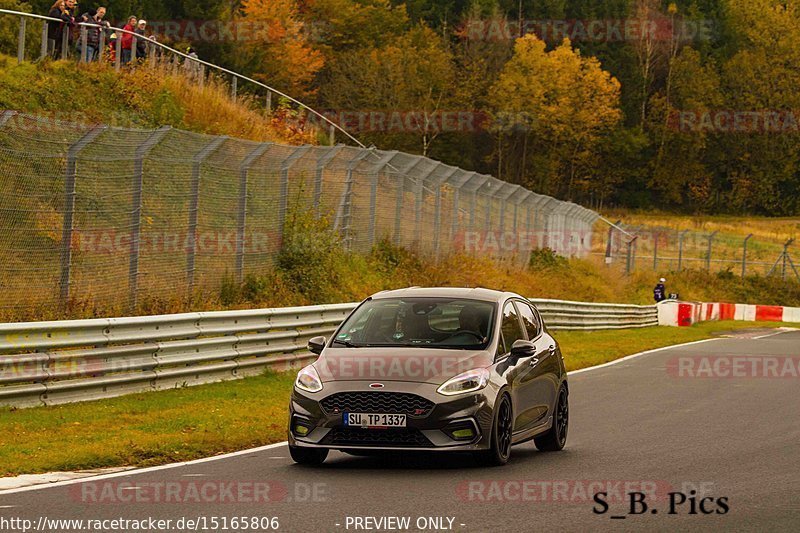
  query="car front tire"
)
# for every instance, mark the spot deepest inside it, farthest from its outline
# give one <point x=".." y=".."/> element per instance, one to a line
<point x="308" y="456"/>
<point x="500" y="449"/>
<point x="556" y="437"/>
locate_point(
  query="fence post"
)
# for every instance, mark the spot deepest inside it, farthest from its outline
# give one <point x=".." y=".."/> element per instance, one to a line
<point x="322" y="163"/>
<point x="333" y="136"/>
<point x="101" y="49"/>
<point x="244" y="170"/>
<point x="344" y="212"/>
<point x="710" y="243"/>
<point x="269" y="102"/>
<point x="630" y="260"/>
<point x="21" y="42"/>
<point x="680" y="249"/>
<point x="194" y="209"/>
<point x="45" y="42"/>
<point x="234" y="87"/>
<point x="134" y="51"/>
<point x="118" y="53"/>
<point x="401" y="191"/>
<point x="84" y="41"/>
<point x="655" y="252"/>
<point x="283" y="207"/>
<point x="744" y="254"/>
<point x="68" y="226"/>
<point x="373" y="193"/>
<point x="136" y="214"/>
<point x="64" y="44"/>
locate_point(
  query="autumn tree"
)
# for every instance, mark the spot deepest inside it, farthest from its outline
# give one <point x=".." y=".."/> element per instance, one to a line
<point x="408" y="81"/>
<point x="561" y="104"/>
<point x="279" y="51"/>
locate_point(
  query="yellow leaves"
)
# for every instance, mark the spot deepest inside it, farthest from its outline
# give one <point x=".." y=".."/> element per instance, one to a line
<point x="565" y="96"/>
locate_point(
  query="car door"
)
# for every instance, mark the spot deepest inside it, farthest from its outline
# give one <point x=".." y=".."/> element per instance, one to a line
<point x="544" y="369"/>
<point x="522" y="387"/>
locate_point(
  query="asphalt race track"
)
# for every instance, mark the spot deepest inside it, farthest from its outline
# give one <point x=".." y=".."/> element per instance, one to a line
<point x="638" y="424"/>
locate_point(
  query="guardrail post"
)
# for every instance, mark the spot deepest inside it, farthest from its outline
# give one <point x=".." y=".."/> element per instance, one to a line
<point x="269" y="102"/>
<point x="710" y="243"/>
<point x="680" y="249"/>
<point x="194" y="208"/>
<point x="45" y="43"/>
<point x="84" y="42"/>
<point x="21" y="43"/>
<point x="244" y="170"/>
<point x="234" y="87"/>
<point x="68" y="225"/>
<point x="136" y="214"/>
<point x="744" y="254"/>
<point x="332" y="136"/>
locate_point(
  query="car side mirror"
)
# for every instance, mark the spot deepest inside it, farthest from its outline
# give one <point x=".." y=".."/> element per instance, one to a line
<point x="316" y="345"/>
<point x="522" y="348"/>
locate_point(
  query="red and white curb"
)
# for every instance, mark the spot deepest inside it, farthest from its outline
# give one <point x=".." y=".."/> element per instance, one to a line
<point x="675" y="313"/>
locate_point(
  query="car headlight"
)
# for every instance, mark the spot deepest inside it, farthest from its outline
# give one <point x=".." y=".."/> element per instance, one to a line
<point x="308" y="380"/>
<point x="469" y="381"/>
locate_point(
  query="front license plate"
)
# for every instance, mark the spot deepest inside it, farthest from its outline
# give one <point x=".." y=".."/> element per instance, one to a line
<point x="374" y="420"/>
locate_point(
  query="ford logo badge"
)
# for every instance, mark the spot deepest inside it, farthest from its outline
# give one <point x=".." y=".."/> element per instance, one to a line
<point x="376" y="385"/>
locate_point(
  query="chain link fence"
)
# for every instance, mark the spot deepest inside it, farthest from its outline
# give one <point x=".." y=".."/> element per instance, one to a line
<point x="662" y="249"/>
<point x="109" y="217"/>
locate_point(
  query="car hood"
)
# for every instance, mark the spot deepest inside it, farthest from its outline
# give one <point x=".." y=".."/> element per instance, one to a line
<point x="420" y="365"/>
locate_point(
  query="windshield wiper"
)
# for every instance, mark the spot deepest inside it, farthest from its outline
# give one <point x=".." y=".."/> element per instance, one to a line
<point x="348" y="343"/>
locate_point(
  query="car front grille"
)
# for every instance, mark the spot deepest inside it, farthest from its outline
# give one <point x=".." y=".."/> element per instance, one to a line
<point x="377" y="402"/>
<point x="400" y="437"/>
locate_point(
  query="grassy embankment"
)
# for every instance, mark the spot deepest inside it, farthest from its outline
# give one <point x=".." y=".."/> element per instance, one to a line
<point x="155" y="428"/>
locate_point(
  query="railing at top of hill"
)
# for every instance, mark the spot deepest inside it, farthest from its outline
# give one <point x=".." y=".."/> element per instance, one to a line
<point x="151" y="46"/>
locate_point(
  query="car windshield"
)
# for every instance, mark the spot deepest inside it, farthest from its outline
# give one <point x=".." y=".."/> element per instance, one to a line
<point x="419" y="322"/>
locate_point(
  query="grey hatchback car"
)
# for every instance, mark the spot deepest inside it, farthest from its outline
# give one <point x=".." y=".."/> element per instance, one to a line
<point x="433" y="369"/>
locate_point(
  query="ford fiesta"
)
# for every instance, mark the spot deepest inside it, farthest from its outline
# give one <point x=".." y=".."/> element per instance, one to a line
<point x="435" y="369"/>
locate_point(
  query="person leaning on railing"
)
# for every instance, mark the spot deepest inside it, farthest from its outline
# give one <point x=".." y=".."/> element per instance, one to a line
<point x="55" y="30"/>
<point x="93" y="32"/>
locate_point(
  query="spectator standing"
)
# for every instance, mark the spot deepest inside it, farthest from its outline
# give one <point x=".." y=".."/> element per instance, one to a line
<point x="141" y="40"/>
<point x="93" y="32"/>
<point x="55" y="30"/>
<point x="192" y="68"/>
<point x="127" y="39"/>
<point x="660" y="291"/>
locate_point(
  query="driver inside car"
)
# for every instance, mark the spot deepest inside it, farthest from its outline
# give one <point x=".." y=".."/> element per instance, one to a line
<point x="470" y="319"/>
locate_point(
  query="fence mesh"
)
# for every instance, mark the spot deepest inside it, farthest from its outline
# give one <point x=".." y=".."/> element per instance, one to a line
<point x="111" y="217"/>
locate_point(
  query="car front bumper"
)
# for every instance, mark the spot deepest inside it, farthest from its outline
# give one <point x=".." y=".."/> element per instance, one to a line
<point x="429" y="432"/>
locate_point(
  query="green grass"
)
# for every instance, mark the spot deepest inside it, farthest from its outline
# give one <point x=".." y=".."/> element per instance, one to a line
<point x="183" y="424"/>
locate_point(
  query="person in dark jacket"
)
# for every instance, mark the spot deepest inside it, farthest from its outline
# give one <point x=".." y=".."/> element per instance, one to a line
<point x="55" y="30"/>
<point x="141" y="40"/>
<point x="660" y="291"/>
<point x="93" y="32"/>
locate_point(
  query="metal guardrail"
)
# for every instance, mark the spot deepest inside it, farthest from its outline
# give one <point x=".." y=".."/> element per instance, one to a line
<point x="152" y="44"/>
<point x="46" y="363"/>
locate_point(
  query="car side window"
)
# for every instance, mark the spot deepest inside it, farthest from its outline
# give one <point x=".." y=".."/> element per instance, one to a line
<point x="530" y="319"/>
<point x="512" y="331"/>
